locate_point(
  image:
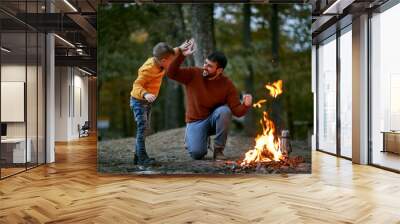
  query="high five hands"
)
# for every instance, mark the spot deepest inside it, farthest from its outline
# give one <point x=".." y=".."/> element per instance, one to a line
<point x="188" y="47"/>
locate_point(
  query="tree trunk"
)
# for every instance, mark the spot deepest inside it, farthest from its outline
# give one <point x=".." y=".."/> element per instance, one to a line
<point x="275" y="35"/>
<point x="173" y="106"/>
<point x="249" y="121"/>
<point x="276" y="107"/>
<point x="203" y="31"/>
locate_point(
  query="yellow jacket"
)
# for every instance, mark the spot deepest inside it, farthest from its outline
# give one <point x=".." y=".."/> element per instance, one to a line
<point x="149" y="79"/>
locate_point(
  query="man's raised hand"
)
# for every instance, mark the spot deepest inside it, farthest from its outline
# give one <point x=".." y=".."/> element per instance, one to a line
<point x="185" y="45"/>
<point x="190" y="49"/>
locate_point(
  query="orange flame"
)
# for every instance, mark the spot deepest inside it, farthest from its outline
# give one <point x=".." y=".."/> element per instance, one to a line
<point x="258" y="104"/>
<point x="267" y="147"/>
<point x="275" y="89"/>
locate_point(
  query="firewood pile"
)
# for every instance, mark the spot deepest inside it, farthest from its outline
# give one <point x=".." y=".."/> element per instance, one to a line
<point x="287" y="165"/>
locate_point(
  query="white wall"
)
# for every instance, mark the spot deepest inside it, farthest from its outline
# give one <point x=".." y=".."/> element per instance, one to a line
<point x="11" y="73"/>
<point x="80" y="110"/>
<point x="61" y="103"/>
<point x="33" y="127"/>
<point x="71" y="94"/>
<point x="16" y="73"/>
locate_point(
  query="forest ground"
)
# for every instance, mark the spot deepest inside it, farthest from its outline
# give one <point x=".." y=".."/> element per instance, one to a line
<point x="167" y="147"/>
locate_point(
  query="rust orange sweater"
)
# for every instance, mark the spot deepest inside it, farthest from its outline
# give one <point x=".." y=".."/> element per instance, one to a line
<point x="204" y="95"/>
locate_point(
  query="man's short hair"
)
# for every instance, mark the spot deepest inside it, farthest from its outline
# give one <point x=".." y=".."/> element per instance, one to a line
<point x="218" y="57"/>
<point x="162" y="50"/>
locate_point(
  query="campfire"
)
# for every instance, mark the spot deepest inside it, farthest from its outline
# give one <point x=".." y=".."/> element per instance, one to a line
<point x="270" y="149"/>
<point x="267" y="146"/>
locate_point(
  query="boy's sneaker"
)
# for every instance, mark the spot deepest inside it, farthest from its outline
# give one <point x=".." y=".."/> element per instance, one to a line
<point x="143" y="159"/>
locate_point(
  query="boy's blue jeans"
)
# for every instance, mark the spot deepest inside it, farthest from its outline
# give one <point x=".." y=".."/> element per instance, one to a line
<point x="142" y="114"/>
<point x="198" y="132"/>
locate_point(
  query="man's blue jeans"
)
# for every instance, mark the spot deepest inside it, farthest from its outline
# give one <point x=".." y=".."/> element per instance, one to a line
<point x="142" y="114"/>
<point x="198" y="132"/>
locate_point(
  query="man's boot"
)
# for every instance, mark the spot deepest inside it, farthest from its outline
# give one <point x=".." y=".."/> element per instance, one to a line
<point x="218" y="153"/>
<point x="142" y="158"/>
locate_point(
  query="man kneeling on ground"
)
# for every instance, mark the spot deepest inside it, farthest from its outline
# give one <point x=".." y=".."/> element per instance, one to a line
<point x="211" y="99"/>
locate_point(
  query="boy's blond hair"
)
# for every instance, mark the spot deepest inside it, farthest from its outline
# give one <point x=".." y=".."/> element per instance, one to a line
<point x="162" y="50"/>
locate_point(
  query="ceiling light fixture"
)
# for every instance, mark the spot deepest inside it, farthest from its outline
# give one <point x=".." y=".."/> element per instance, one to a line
<point x="64" y="40"/>
<point x="70" y="5"/>
<point x="5" y="50"/>
<point x="84" y="71"/>
<point x="337" y="7"/>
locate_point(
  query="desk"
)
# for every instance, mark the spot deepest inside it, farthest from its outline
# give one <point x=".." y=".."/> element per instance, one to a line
<point x="16" y="147"/>
<point x="391" y="141"/>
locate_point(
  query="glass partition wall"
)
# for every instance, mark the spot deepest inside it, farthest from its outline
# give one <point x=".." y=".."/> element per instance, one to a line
<point x="326" y="101"/>
<point x="385" y="89"/>
<point x="334" y="90"/>
<point x="334" y="94"/>
<point x="345" y="62"/>
<point x="22" y="107"/>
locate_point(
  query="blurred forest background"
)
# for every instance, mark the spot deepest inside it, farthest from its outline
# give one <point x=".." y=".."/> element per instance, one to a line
<point x="262" y="42"/>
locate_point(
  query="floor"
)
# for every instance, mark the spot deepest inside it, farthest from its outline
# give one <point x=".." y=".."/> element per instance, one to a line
<point x="71" y="191"/>
<point x="5" y="172"/>
<point x="10" y="171"/>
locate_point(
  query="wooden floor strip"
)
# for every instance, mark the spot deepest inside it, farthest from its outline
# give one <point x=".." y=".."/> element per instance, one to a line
<point x="71" y="191"/>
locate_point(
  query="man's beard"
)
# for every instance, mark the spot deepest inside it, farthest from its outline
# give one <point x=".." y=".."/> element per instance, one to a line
<point x="209" y="75"/>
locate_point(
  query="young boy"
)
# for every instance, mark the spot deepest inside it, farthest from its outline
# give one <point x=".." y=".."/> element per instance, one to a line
<point x="144" y="92"/>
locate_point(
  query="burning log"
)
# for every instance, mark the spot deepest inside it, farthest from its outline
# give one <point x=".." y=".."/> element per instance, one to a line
<point x="288" y="165"/>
